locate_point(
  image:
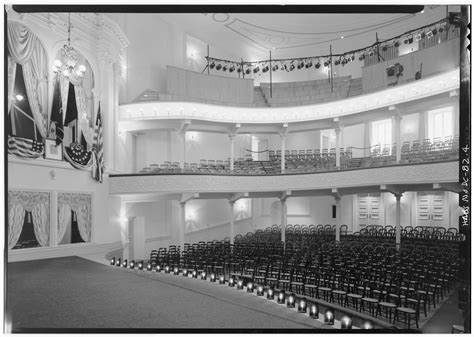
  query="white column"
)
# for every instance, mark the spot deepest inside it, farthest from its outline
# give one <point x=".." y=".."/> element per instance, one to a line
<point x="182" y="224"/>
<point x="117" y="73"/>
<point x="283" y="138"/>
<point x="367" y="139"/>
<point x="106" y="80"/>
<point x="398" y="227"/>
<point x="183" y="138"/>
<point x="284" y="218"/>
<point x="231" y="215"/>
<point x="231" y="137"/>
<point x="137" y="240"/>
<point x="338" y="152"/>
<point x="422" y="127"/>
<point x="398" y="141"/>
<point x="338" y="219"/>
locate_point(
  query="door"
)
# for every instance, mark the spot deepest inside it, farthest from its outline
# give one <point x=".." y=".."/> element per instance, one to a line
<point x="430" y="209"/>
<point x="369" y="209"/>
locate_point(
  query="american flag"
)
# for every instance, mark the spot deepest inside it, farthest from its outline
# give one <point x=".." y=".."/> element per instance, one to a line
<point x="98" y="150"/>
<point x="57" y="113"/>
<point x="25" y="148"/>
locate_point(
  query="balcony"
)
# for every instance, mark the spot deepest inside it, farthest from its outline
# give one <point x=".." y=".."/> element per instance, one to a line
<point x="422" y="176"/>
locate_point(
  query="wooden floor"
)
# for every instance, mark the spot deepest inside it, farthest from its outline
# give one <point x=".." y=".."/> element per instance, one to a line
<point x="60" y="294"/>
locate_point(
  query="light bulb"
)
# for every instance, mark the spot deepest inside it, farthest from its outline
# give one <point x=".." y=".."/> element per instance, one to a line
<point x="82" y="68"/>
<point x="66" y="73"/>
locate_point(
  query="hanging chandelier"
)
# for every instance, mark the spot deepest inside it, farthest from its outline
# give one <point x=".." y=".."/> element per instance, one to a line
<point x="70" y="58"/>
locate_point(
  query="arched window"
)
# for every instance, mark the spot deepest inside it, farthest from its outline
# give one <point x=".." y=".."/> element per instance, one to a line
<point x="20" y="118"/>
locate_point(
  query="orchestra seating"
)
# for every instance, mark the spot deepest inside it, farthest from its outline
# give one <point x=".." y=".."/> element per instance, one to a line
<point x="363" y="272"/>
<point x="307" y="161"/>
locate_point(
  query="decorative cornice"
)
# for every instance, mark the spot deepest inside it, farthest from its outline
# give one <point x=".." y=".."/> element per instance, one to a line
<point x="90" y="30"/>
<point x="430" y="86"/>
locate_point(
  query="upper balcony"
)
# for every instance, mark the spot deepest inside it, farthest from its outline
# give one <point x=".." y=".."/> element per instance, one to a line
<point x="411" y="96"/>
<point x="427" y="58"/>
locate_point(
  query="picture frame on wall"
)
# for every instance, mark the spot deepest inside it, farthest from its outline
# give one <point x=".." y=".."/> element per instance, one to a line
<point x="52" y="151"/>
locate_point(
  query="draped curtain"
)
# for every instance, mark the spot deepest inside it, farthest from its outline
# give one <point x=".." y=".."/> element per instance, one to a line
<point x="38" y="204"/>
<point x="26" y="49"/>
<point x="64" y="218"/>
<point x="16" y="216"/>
<point x="40" y="214"/>
<point x="79" y="203"/>
<point x="11" y="80"/>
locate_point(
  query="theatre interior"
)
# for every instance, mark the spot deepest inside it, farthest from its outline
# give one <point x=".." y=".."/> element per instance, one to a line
<point x="189" y="169"/>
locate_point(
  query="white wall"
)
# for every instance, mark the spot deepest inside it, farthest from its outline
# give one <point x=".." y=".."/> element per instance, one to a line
<point x="105" y="225"/>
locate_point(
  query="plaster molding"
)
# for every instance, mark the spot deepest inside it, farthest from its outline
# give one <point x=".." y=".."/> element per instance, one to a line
<point x="87" y="33"/>
<point x="171" y="110"/>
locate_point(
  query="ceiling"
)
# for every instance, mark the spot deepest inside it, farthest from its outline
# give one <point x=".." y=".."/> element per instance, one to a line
<point x="252" y="35"/>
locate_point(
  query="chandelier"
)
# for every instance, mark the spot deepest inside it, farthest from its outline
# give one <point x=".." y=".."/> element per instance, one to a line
<point x="70" y="57"/>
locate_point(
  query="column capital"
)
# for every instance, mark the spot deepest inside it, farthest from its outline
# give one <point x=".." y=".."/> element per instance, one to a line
<point x="337" y="198"/>
<point x="398" y="196"/>
<point x="231" y="202"/>
<point x="232" y="136"/>
<point x="182" y="203"/>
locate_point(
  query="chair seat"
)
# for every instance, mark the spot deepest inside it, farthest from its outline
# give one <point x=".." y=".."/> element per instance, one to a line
<point x="272" y="279"/>
<point x="297" y="283"/>
<point x="354" y="296"/>
<point x="339" y="292"/>
<point x="406" y="310"/>
<point x="284" y="281"/>
<point x="388" y="305"/>
<point x="324" y="289"/>
<point x="314" y="286"/>
<point x="368" y="299"/>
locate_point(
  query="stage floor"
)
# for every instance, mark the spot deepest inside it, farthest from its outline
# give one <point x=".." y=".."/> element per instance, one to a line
<point x="75" y="293"/>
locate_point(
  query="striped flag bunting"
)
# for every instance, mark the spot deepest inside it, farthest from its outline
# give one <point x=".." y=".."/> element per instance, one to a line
<point x="98" y="150"/>
<point x="25" y="148"/>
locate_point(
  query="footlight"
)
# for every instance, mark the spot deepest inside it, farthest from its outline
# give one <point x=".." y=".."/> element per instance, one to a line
<point x="213" y="277"/>
<point x="290" y="302"/>
<point x="118" y="263"/>
<point x="203" y="275"/>
<point x="302" y="305"/>
<point x="231" y="282"/>
<point x="158" y="268"/>
<point x="167" y="269"/>
<point x="240" y="284"/>
<point x="270" y="294"/>
<point x="260" y="290"/>
<point x="250" y="287"/>
<point x="329" y="317"/>
<point x="221" y="279"/>
<point x="148" y="266"/>
<point x="112" y="261"/>
<point x="185" y="272"/>
<point x="367" y="325"/>
<point x="124" y="263"/>
<point x="195" y="274"/>
<point x="140" y="265"/>
<point x="346" y="322"/>
<point x="176" y="271"/>
<point x="314" y="311"/>
<point x="281" y="297"/>
<point x="132" y="264"/>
